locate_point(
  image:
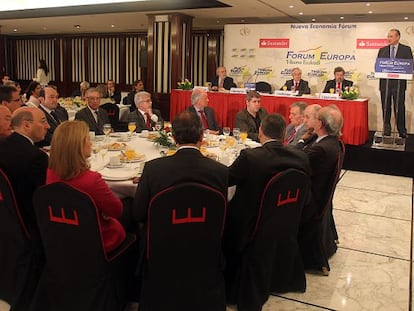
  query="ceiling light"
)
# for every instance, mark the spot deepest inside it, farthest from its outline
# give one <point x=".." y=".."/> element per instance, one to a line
<point x="370" y="12"/>
<point x="76" y="26"/>
<point x="313" y="19"/>
<point x="218" y="22"/>
<point x="291" y="6"/>
<point x="368" y="4"/>
<point x="112" y="26"/>
<point x="341" y="17"/>
<point x="300" y="13"/>
<point x="406" y="17"/>
<point x="15" y="30"/>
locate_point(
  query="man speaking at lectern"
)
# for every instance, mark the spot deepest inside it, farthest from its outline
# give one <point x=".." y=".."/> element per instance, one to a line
<point x="393" y="89"/>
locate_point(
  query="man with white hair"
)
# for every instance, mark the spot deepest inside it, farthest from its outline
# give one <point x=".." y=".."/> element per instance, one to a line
<point x="297" y="83"/>
<point x="144" y="116"/>
<point x="310" y="118"/>
<point x="199" y="100"/>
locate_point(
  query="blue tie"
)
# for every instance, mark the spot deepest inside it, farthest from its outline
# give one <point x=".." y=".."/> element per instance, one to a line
<point x="393" y="52"/>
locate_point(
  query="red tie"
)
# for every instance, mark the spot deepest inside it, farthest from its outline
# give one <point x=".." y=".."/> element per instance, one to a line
<point x="296" y="86"/>
<point x="203" y="119"/>
<point x="339" y="86"/>
<point x="291" y="137"/>
<point x="148" y="121"/>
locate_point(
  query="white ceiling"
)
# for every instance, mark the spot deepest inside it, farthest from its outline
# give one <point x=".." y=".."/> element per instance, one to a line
<point x="241" y="11"/>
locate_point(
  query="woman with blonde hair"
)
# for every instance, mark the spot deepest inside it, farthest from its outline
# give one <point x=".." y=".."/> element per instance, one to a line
<point x="70" y="149"/>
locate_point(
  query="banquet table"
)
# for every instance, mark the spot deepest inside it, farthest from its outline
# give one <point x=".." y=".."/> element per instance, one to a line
<point x="226" y="105"/>
<point x="120" y="179"/>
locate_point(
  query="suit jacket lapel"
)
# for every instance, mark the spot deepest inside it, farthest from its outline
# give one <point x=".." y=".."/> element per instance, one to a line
<point x="92" y="119"/>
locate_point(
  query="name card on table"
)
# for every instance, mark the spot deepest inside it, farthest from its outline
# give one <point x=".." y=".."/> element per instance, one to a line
<point x="334" y="96"/>
<point x="286" y="93"/>
<point x="204" y="88"/>
<point x="238" y="90"/>
<point x="398" y="68"/>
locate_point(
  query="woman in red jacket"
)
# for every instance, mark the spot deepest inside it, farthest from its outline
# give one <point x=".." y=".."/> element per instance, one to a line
<point x="70" y="148"/>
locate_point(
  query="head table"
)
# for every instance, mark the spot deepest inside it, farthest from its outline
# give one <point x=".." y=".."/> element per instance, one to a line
<point x="119" y="179"/>
<point x="226" y="105"/>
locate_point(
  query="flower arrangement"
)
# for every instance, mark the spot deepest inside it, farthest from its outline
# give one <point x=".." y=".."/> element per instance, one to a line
<point x="350" y="93"/>
<point x="77" y="101"/>
<point x="185" y="85"/>
<point x="165" y="138"/>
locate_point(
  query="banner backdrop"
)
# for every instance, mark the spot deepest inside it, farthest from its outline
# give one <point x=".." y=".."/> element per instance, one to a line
<point x="268" y="52"/>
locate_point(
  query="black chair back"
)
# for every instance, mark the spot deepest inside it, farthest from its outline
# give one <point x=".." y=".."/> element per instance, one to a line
<point x="272" y="262"/>
<point x="263" y="87"/>
<point x="183" y="251"/>
<point x="113" y="113"/>
<point x="16" y="247"/>
<point x="78" y="274"/>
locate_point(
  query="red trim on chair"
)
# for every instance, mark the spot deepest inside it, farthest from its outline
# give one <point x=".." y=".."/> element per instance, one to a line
<point x="170" y="189"/>
<point x="1" y="196"/>
<point x="288" y="199"/>
<point x="62" y="219"/>
<point x="189" y="218"/>
<point x="22" y="224"/>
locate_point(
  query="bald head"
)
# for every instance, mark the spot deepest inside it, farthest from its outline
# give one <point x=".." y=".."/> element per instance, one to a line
<point x="311" y="115"/>
<point x="5" y="121"/>
<point x="31" y="122"/>
<point x="331" y="119"/>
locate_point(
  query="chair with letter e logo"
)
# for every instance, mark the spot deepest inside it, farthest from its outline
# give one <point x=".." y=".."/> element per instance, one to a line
<point x="183" y="252"/>
<point x="79" y="274"/>
<point x="272" y="261"/>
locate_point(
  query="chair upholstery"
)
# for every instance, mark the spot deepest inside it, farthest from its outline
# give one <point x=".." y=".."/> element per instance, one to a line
<point x="263" y="87"/>
<point x="78" y="274"/>
<point x="317" y="236"/>
<point x="19" y="270"/>
<point x="183" y="266"/>
<point x="113" y="114"/>
<point x="272" y="261"/>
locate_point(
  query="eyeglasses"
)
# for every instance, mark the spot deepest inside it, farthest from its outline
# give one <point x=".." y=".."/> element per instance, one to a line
<point x="94" y="98"/>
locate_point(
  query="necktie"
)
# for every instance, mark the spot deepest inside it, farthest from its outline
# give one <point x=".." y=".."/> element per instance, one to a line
<point x="392" y="52"/>
<point x="338" y="87"/>
<point x="203" y="119"/>
<point x="96" y="116"/>
<point x="148" y="120"/>
<point x="290" y="137"/>
<point x="221" y="83"/>
<point x="296" y="86"/>
<point x="55" y="116"/>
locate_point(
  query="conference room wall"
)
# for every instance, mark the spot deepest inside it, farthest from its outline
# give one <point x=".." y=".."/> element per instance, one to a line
<point x="268" y="52"/>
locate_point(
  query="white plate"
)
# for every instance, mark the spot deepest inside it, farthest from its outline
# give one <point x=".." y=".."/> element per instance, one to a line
<point x="119" y="174"/>
<point x="115" y="166"/>
<point x="99" y="137"/>
<point x="114" y="134"/>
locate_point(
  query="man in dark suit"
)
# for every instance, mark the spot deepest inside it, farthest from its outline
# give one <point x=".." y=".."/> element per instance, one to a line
<point x="24" y="164"/>
<point x="54" y="116"/>
<point x="9" y="97"/>
<point x="393" y="90"/>
<point x="249" y="119"/>
<point x="298" y="84"/>
<point x="113" y="93"/>
<point x="251" y="171"/>
<point x="339" y="84"/>
<point x="186" y="165"/>
<point x="138" y="87"/>
<point x="296" y="127"/>
<point x="145" y="117"/>
<point x="199" y="100"/>
<point x="94" y="116"/>
<point x="310" y="119"/>
<point x="221" y="81"/>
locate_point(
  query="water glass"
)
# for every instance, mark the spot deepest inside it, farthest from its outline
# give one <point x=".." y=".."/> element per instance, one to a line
<point x="236" y="133"/>
<point x="158" y="125"/>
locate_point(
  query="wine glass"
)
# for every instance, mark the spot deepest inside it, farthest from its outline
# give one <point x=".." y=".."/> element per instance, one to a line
<point x="236" y="133"/>
<point x="103" y="152"/>
<point x="226" y="131"/>
<point x="131" y="127"/>
<point x="243" y="136"/>
<point x="95" y="150"/>
<point x="158" y="125"/>
<point x="107" y="129"/>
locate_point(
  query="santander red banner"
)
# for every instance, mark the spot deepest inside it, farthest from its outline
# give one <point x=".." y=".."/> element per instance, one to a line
<point x="371" y="43"/>
<point x="274" y="43"/>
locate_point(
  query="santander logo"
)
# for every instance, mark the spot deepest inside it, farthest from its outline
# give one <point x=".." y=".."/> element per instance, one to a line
<point x="275" y="43"/>
<point x="371" y="43"/>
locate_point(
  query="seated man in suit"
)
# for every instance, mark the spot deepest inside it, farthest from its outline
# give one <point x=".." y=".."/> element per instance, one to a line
<point x="323" y="156"/>
<point x="94" y="116"/>
<point x="5" y="122"/>
<point x="249" y="119"/>
<point x="199" y="100"/>
<point x="113" y="93"/>
<point x="24" y="164"/>
<point x="310" y="117"/>
<point x="297" y="127"/>
<point x="221" y="81"/>
<point x="48" y="105"/>
<point x="339" y="83"/>
<point x="144" y="116"/>
<point x="250" y="172"/>
<point x="297" y="82"/>
<point x="138" y="87"/>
